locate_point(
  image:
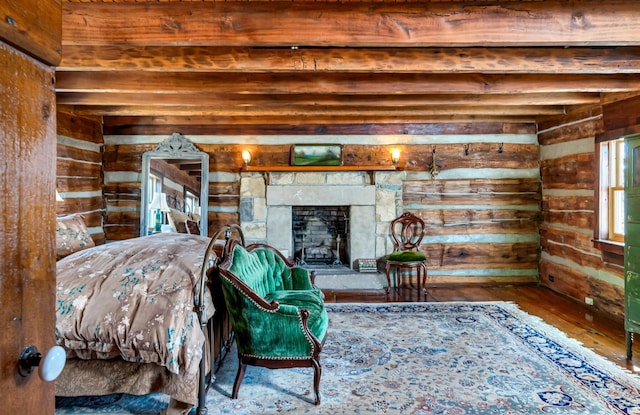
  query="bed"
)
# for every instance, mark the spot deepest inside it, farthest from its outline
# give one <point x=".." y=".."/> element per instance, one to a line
<point x="136" y="317"/>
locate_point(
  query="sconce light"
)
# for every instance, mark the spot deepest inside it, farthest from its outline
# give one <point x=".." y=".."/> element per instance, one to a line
<point x="246" y="156"/>
<point x="58" y="197"/>
<point x="395" y="156"/>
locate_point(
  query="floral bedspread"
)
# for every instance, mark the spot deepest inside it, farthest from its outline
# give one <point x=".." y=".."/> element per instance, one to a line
<point x="134" y="299"/>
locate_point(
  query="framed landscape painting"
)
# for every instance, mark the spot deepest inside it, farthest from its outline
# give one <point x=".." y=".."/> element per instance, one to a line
<point x="316" y="155"/>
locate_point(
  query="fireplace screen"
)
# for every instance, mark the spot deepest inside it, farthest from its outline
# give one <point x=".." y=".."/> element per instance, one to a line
<point x="320" y="235"/>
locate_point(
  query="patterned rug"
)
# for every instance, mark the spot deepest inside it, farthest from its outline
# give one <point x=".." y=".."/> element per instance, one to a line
<point x="420" y="358"/>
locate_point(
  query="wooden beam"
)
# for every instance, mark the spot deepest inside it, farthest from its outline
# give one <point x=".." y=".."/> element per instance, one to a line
<point x="279" y="23"/>
<point x="403" y="60"/>
<point x="286" y="119"/>
<point x="194" y="99"/>
<point x="292" y="111"/>
<point x="332" y="83"/>
<point x="286" y="126"/>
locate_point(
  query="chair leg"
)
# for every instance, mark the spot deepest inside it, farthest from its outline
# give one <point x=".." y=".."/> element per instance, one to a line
<point x="242" y="367"/>
<point x="317" y="373"/>
<point x="388" y="268"/>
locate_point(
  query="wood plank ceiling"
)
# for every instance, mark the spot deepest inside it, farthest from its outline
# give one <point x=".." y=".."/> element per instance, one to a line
<point x="155" y="67"/>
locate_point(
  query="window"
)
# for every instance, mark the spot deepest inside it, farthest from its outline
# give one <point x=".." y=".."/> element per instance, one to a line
<point x="154" y="186"/>
<point x="611" y="191"/>
<point x="191" y="203"/>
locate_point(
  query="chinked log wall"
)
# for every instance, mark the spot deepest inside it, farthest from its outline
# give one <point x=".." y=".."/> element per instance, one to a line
<point x="571" y="262"/>
<point x="79" y="170"/>
<point x="482" y="210"/>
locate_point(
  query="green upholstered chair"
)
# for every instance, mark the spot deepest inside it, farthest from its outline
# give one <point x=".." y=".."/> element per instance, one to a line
<point x="278" y="316"/>
<point x="407" y="232"/>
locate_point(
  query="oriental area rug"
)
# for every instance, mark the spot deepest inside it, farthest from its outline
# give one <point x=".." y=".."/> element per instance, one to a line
<point x="420" y="358"/>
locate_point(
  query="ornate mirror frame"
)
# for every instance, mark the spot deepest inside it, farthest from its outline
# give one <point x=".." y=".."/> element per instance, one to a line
<point x="175" y="147"/>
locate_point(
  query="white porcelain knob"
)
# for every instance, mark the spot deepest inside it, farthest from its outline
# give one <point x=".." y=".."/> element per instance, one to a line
<point x="52" y="364"/>
<point x="49" y="367"/>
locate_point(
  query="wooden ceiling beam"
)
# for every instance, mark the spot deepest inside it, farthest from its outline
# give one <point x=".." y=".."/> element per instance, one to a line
<point x="190" y="99"/>
<point x="88" y="58"/>
<point x="379" y="113"/>
<point x="280" y="23"/>
<point x="334" y="83"/>
<point x="286" y="126"/>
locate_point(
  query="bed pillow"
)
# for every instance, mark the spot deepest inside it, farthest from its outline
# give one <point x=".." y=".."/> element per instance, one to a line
<point x="72" y="235"/>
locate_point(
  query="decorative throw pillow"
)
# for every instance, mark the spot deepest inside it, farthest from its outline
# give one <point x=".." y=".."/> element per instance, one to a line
<point x="72" y="235"/>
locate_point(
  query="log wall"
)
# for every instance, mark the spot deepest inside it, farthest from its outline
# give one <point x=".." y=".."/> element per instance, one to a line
<point x="571" y="263"/>
<point x="79" y="170"/>
<point x="482" y="209"/>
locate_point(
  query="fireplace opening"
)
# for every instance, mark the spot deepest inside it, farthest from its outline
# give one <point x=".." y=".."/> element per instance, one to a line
<point x="320" y="235"/>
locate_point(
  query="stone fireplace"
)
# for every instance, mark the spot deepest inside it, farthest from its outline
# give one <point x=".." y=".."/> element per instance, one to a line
<point x="370" y="201"/>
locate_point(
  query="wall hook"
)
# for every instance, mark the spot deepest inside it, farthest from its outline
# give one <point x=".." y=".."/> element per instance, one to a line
<point x="466" y="149"/>
<point x="500" y="147"/>
<point x="434" y="169"/>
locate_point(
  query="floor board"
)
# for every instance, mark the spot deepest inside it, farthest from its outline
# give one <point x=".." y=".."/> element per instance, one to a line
<point x="597" y="331"/>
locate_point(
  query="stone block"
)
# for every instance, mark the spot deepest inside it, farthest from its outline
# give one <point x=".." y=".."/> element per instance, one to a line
<point x="260" y="209"/>
<point x="386" y="179"/>
<point x="386" y="205"/>
<point x="311" y="178"/>
<point x="280" y="179"/>
<point x="279" y="225"/>
<point x="255" y="231"/>
<point x="362" y="232"/>
<point x="246" y="209"/>
<point x="350" y="178"/>
<point x="253" y="186"/>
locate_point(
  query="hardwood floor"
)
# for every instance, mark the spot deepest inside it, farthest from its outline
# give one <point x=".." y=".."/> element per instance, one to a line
<point x="597" y="331"/>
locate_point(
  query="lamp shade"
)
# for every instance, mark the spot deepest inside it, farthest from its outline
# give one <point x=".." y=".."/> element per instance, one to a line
<point x="160" y="202"/>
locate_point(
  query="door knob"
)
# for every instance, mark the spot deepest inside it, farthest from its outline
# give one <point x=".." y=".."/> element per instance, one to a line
<point x="49" y="367"/>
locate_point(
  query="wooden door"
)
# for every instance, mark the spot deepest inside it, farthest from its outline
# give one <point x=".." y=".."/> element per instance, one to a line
<point x="632" y="240"/>
<point x="27" y="197"/>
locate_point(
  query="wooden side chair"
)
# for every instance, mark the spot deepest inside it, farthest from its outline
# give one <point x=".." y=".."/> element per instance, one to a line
<point x="407" y="232"/>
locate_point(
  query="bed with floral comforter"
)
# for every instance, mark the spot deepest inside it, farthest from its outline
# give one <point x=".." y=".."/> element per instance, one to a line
<point x="132" y="302"/>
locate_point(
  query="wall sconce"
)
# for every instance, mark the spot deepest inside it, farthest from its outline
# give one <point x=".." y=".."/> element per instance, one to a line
<point x="395" y="156"/>
<point x="246" y="156"/>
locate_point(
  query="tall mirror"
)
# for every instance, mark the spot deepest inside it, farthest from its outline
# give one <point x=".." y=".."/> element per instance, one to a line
<point x="175" y="188"/>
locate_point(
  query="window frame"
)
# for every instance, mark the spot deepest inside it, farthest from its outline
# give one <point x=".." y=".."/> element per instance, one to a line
<point x="613" y="251"/>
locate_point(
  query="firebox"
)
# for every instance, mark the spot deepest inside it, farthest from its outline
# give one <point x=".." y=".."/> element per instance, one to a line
<point x="320" y="235"/>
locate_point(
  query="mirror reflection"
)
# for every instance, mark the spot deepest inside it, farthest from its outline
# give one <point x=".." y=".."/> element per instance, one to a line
<point x="174" y="188"/>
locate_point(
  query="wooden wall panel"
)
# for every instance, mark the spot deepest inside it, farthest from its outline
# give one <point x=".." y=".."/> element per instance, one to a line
<point x="79" y="170"/>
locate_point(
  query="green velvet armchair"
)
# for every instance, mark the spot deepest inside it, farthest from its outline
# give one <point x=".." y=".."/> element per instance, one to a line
<point x="278" y="316"/>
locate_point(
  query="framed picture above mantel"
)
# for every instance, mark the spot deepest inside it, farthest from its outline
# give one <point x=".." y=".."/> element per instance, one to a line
<point x="316" y="155"/>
